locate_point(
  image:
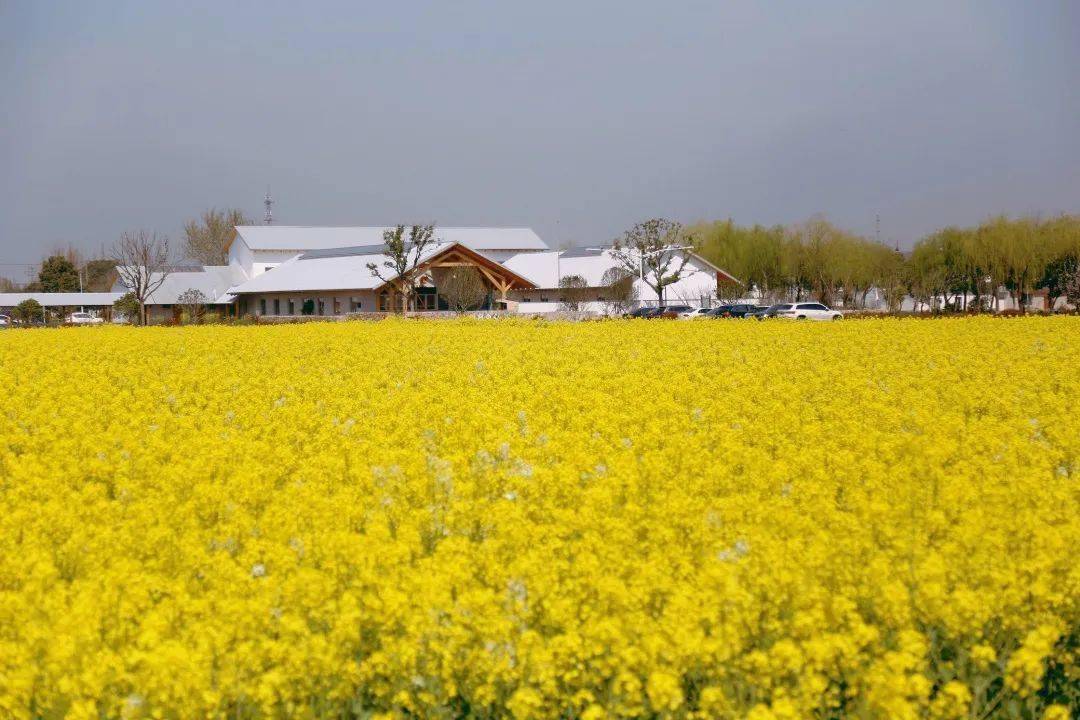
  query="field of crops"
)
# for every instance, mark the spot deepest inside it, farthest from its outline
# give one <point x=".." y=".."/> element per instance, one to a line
<point x="714" y="519"/>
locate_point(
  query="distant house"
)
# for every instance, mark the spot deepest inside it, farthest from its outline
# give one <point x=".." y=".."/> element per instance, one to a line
<point x="100" y="302"/>
<point x="277" y="270"/>
<point x="213" y="281"/>
<point x="326" y="269"/>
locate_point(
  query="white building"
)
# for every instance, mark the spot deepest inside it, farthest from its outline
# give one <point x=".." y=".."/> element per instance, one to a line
<point x="324" y="270"/>
<point x="278" y="270"/>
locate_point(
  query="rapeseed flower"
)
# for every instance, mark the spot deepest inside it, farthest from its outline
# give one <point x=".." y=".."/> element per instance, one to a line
<point x="533" y="520"/>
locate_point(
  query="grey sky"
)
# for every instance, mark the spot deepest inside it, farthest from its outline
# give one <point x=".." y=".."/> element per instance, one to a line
<point x="574" y="118"/>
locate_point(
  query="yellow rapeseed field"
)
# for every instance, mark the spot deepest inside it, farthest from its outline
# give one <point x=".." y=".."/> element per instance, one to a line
<point x="627" y="519"/>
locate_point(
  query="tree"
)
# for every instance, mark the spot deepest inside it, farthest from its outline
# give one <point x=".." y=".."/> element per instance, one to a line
<point x="890" y="272"/>
<point x="8" y="285"/>
<point x="193" y="303"/>
<point x="207" y="239"/>
<point x="649" y="249"/>
<point x="127" y="305"/>
<point x="754" y="254"/>
<point x="58" y="274"/>
<point x="403" y="258"/>
<point x="463" y="288"/>
<point x="572" y="292"/>
<point x="620" y="294"/>
<point x="99" y="275"/>
<point x="818" y="248"/>
<point x="1071" y="287"/>
<point x="28" y="311"/>
<point x="142" y="261"/>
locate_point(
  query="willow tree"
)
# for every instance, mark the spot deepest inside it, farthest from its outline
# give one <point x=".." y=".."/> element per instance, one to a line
<point x="206" y="239"/>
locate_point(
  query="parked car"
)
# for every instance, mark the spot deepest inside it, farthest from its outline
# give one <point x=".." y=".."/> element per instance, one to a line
<point x="5" y="321"/>
<point x="720" y="311"/>
<point x="741" y="309"/>
<point x="806" y="311"/>
<point x="640" y="312"/>
<point x="83" y="318"/>
<point x="695" y="314"/>
<point x="756" y="312"/>
<point x="769" y="312"/>
<point x="673" y="311"/>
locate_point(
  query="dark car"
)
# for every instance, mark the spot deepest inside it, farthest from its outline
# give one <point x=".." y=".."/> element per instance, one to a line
<point x="756" y="312"/>
<point x="640" y="312"/>
<point x="720" y="311"/>
<point x="772" y="311"/>
<point x="672" y="311"/>
<point x="741" y="310"/>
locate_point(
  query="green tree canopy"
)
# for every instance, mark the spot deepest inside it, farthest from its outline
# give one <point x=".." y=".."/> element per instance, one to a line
<point x="28" y="311"/>
<point x="58" y="274"/>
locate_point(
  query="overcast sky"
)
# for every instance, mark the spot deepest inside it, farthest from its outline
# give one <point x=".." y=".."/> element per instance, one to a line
<point x="575" y="118"/>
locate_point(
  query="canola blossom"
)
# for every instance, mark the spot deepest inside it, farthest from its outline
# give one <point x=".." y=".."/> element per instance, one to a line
<point x="521" y="519"/>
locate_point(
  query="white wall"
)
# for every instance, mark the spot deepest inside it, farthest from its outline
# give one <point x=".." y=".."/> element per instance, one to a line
<point x="366" y="298"/>
<point x="240" y="256"/>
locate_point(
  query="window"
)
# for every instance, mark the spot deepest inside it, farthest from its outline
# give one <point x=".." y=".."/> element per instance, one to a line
<point x="277" y="306"/>
<point x="812" y="306"/>
<point x="354" y="304"/>
<point x="337" y="306"/>
<point x="292" y="307"/>
<point x="322" y="306"/>
<point x="262" y="306"/>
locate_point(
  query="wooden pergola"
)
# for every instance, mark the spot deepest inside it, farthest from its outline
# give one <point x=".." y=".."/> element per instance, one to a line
<point x="501" y="278"/>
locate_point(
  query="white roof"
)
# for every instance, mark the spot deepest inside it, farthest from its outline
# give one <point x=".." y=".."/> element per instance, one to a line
<point x="333" y="269"/>
<point x="343" y="269"/>
<point x="213" y="281"/>
<point x="546" y="269"/>
<point x="93" y="299"/>
<point x="540" y="267"/>
<point x="299" y="238"/>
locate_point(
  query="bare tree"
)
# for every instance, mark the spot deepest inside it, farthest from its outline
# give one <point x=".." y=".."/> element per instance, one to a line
<point x="193" y="302"/>
<point x="572" y="292"/>
<point x="403" y="258"/>
<point x="620" y="294"/>
<point x="462" y="287"/>
<point x="206" y="239"/>
<point x="649" y="249"/>
<point x="142" y="261"/>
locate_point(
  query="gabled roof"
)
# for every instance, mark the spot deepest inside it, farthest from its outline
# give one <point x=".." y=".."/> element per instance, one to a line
<point x="546" y="269"/>
<point x="299" y="238"/>
<point x="72" y="299"/>
<point x="339" y="269"/>
<point x="211" y="280"/>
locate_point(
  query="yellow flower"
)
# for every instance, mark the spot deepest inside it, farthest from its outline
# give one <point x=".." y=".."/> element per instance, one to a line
<point x="665" y="692"/>
<point x="532" y="519"/>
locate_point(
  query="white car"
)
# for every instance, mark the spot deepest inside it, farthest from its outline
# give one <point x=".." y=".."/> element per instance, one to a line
<point x="83" y="318"/>
<point x="694" y="314"/>
<point x="806" y="311"/>
<point x="5" y="321"/>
